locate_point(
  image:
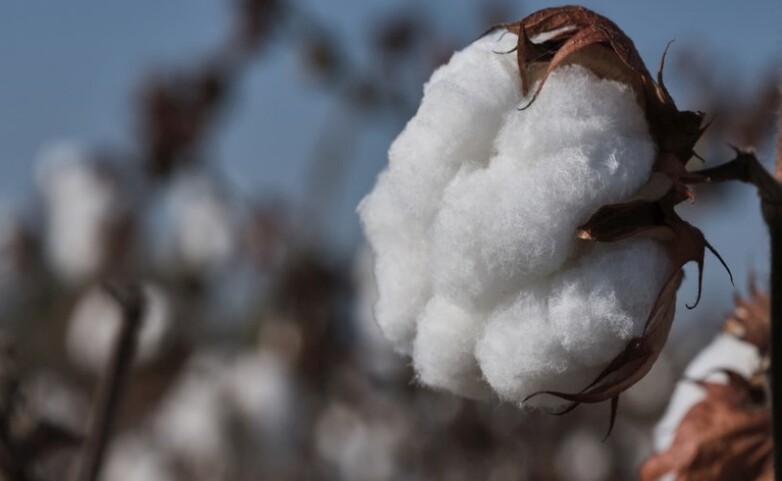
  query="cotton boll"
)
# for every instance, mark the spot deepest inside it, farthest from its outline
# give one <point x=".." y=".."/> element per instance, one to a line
<point x="377" y="356"/>
<point x="191" y="421"/>
<point x="431" y="149"/>
<point x="259" y="386"/>
<point x="358" y="448"/>
<point x="473" y="225"/>
<point x="50" y="398"/>
<point x="97" y="319"/>
<point x="560" y="336"/>
<point x="135" y="457"/>
<point x="724" y="352"/>
<point x="443" y="355"/>
<point x="83" y="204"/>
<point x="519" y="353"/>
<point x="600" y="304"/>
<point x="556" y="163"/>
<point x="584" y="457"/>
<point x="199" y="224"/>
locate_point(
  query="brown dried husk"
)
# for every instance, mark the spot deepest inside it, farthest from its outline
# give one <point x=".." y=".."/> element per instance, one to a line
<point x="589" y="39"/>
<point x="725" y="437"/>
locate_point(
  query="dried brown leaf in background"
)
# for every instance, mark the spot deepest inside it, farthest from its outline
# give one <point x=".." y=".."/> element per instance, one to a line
<point x="725" y="437"/>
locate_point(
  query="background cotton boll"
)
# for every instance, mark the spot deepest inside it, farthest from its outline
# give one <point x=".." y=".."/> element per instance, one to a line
<point x="724" y="352"/>
<point x="198" y="224"/>
<point x="584" y="457"/>
<point x="136" y="457"/>
<point x="191" y="422"/>
<point x="82" y="204"/>
<point x="597" y="306"/>
<point x="259" y="386"/>
<point x="56" y="401"/>
<point x="359" y="449"/>
<point x="96" y="321"/>
<point x="443" y="355"/>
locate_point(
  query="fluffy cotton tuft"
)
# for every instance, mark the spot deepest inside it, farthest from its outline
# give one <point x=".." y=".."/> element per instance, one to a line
<point x="480" y="275"/>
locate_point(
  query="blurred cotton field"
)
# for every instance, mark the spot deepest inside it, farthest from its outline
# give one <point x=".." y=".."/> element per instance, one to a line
<point x="226" y="191"/>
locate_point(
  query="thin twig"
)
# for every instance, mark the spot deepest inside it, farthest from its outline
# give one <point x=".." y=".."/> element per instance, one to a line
<point x="109" y="399"/>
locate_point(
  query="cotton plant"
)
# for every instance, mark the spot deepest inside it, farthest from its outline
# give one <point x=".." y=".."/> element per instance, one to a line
<point x="718" y="422"/>
<point x="524" y="233"/>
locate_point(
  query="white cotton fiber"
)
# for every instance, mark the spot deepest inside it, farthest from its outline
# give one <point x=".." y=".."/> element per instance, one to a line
<point x="443" y="349"/>
<point x="481" y="277"/>
<point x="724" y="352"/>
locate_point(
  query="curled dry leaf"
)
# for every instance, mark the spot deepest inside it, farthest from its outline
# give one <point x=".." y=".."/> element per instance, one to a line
<point x="726" y="436"/>
<point x="559" y="36"/>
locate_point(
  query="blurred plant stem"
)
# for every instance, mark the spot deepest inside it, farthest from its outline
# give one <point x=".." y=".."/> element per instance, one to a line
<point x="746" y="168"/>
<point x="113" y="386"/>
<point x="773" y="217"/>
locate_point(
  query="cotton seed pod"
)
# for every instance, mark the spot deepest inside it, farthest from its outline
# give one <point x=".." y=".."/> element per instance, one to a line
<point x="524" y="234"/>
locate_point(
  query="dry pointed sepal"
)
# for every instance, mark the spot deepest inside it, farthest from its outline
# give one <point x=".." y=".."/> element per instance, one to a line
<point x="555" y="37"/>
<point x="635" y="361"/>
<point x="574" y="34"/>
<point x="725" y="437"/>
<point x="750" y="320"/>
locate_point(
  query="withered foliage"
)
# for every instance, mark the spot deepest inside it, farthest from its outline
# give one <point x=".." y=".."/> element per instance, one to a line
<point x="727" y="435"/>
<point x="575" y="34"/>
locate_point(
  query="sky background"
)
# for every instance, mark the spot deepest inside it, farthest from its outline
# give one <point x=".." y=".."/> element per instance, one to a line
<point x="68" y="71"/>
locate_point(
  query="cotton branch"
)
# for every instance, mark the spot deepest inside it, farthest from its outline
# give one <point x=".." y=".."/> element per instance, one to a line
<point x="130" y="300"/>
<point x="746" y="168"/>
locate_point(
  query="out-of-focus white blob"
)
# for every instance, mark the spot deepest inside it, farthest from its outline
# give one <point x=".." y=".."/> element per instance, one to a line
<point x="259" y="389"/>
<point x="136" y="457"/>
<point x="724" y="352"/>
<point x="358" y="447"/>
<point x="191" y="423"/>
<point x="83" y="203"/>
<point x="584" y="457"/>
<point x="481" y="277"/>
<point x="198" y="228"/>
<point x="96" y="321"/>
<point x="53" y="400"/>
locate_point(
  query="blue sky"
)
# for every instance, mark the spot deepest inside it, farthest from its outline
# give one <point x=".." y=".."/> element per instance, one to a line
<point x="68" y="69"/>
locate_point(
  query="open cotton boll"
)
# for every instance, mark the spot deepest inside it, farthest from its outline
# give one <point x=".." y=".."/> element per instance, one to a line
<point x="724" y="352"/>
<point x="96" y="321"/>
<point x="480" y="274"/>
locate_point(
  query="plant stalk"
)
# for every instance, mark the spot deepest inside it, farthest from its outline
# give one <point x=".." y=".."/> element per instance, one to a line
<point x="112" y="388"/>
